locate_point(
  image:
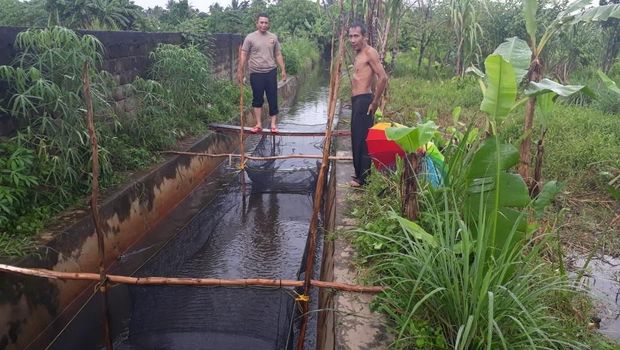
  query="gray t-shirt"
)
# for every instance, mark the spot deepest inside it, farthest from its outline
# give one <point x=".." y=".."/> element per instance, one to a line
<point x="262" y="49"/>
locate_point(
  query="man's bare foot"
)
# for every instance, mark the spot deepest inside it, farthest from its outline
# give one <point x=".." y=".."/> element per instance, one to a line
<point x="355" y="184"/>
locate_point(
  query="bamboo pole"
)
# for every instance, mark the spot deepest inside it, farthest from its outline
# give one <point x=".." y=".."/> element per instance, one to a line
<point x="303" y="156"/>
<point x="241" y="128"/>
<point x="94" y="203"/>
<point x="318" y="194"/>
<point x="177" y="281"/>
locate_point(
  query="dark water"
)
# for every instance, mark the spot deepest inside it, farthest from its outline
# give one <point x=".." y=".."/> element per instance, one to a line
<point x="257" y="233"/>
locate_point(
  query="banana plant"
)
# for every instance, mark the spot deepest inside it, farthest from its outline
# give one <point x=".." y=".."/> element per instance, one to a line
<point x="574" y="13"/>
<point x="610" y="84"/>
<point x="505" y="70"/>
<point x="494" y="193"/>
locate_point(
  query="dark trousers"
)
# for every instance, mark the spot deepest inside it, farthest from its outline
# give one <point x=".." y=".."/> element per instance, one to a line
<point x="360" y="123"/>
<point x="265" y="83"/>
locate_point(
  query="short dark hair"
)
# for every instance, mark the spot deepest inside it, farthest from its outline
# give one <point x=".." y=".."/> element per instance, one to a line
<point x="359" y="24"/>
<point x="262" y="14"/>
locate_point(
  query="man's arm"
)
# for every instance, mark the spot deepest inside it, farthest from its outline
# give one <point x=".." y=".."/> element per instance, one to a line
<point x="280" y="60"/>
<point x="241" y="67"/>
<point x="377" y="69"/>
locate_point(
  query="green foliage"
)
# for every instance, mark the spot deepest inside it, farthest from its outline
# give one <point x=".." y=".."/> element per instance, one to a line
<point x="89" y="14"/>
<point x="22" y="13"/>
<point x="47" y="165"/>
<point x="382" y="193"/>
<point x="45" y="92"/>
<point x="15" y="247"/>
<point x="461" y="278"/>
<point x="610" y="84"/>
<point x="501" y="89"/>
<point x="16" y="182"/>
<point x="294" y="17"/>
<point x="576" y="161"/>
<point x="516" y="52"/>
<point x="410" y="139"/>
<point x="184" y="74"/>
<point x="452" y="288"/>
<point x="299" y="54"/>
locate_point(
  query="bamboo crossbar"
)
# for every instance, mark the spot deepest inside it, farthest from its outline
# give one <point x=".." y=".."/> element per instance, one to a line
<point x="247" y="130"/>
<point x="291" y="156"/>
<point x="177" y="281"/>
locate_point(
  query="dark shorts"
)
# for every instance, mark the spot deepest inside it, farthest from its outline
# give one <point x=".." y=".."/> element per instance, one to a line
<point x="265" y="84"/>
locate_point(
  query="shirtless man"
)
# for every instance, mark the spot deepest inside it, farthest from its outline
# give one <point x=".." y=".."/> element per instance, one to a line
<point x="364" y="103"/>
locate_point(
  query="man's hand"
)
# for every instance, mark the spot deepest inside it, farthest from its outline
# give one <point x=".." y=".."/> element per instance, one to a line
<point x="372" y="108"/>
<point x="240" y="78"/>
<point x="283" y="75"/>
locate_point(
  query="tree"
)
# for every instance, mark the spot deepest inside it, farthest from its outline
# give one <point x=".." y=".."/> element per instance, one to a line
<point x="177" y="12"/>
<point x="293" y="17"/>
<point x="20" y="13"/>
<point x="93" y="14"/>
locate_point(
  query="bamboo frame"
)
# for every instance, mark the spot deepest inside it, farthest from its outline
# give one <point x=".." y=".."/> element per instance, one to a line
<point x="228" y="155"/>
<point x="178" y="281"/>
<point x="94" y="207"/>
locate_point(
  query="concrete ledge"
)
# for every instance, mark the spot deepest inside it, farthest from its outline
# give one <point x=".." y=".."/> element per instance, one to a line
<point x="349" y="324"/>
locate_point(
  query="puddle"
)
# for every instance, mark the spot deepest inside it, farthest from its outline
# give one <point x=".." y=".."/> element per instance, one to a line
<point x="603" y="278"/>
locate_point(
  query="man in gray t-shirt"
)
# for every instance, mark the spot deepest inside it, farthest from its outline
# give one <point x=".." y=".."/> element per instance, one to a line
<point x="263" y="51"/>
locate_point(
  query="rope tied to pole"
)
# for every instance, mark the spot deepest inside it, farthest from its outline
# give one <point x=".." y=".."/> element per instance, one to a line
<point x="303" y="298"/>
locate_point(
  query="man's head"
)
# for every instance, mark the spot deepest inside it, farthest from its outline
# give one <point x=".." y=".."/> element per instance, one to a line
<point x="262" y="22"/>
<point x="357" y="35"/>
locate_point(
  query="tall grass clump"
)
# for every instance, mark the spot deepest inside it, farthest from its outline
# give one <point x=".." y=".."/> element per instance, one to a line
<point x="299" y="54"/>
<point x="468" y="274"/>
<point x="455" y="290"/>
<point x="189" y="86"/>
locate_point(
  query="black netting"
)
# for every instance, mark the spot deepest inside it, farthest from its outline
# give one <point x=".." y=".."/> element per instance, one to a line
<point x="261" y="232"/>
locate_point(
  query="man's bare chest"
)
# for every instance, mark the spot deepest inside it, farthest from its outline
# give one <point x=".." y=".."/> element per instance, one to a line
<point x="360" y="65"/>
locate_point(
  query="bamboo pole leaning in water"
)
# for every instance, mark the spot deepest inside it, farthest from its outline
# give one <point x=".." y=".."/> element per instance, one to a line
<point x="242" y="125"/>
<point x="318" y="194"/>
<point x="178" y="281"/>
<point x="94" y="207"/>
<point x="302" y="156"/>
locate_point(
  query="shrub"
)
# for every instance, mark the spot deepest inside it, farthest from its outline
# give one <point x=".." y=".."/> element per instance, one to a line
<point x="299" y="53"/>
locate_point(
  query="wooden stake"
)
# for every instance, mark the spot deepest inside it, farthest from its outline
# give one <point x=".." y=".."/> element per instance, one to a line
<point x="303" y="156"/>
<point x="175" y="281"/>
<point x="318" y="194"/>
<point x="94" y="202"/>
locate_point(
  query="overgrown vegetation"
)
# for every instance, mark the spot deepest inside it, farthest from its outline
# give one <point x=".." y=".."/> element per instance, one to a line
<point x="46" y="165"/>
<point x="469" y="272"/>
